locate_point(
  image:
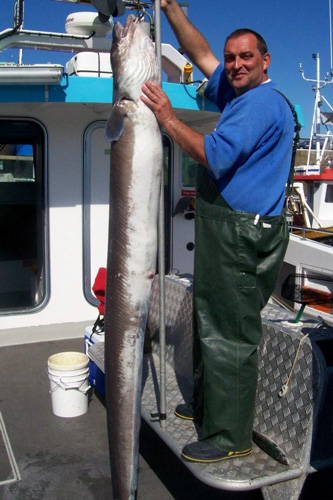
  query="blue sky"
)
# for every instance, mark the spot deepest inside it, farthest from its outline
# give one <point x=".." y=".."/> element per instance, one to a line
<point x="293" y="29"/>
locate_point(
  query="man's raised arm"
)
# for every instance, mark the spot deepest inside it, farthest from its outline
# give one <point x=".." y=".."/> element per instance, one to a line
<point x="191" y="41"/>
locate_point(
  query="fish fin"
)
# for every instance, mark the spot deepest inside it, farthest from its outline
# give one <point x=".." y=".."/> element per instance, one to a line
<point x="114" y="127"/>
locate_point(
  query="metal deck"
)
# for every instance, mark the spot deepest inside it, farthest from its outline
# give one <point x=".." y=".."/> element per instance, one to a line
<point x="68" y="459"/>
<point x="282" y="344"/>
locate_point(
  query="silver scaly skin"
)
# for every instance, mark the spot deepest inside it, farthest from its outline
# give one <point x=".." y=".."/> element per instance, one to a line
<point x="136" y="165"/>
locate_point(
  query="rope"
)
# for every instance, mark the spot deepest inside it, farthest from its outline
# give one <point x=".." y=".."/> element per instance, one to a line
<point x="285" y="388"/>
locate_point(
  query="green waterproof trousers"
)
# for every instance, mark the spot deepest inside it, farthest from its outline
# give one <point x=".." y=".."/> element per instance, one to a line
<point x="237" y="260"/>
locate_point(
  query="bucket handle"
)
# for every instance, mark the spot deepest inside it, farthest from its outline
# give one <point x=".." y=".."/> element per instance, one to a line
<point x="62" y="385"/>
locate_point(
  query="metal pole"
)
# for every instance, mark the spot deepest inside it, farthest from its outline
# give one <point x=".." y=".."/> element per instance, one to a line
<point x="158" y="36"/>
<point x="161" y="241"/>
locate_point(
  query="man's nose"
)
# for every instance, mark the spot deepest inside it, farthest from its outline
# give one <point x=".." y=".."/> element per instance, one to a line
<point x="238" y="62"/>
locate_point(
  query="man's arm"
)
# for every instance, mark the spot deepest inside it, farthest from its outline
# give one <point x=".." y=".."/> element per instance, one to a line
<point x="190" y="141"/>
<point x="192" y="42"/>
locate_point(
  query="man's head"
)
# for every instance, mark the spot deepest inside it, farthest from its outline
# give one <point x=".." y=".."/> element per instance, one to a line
<point x="246" y="60"/>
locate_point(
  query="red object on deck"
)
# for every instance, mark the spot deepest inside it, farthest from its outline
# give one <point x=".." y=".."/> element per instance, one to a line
<point x="99" y="289"/>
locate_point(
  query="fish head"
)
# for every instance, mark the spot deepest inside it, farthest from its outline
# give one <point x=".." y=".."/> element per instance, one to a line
<point x="133" y="59"/>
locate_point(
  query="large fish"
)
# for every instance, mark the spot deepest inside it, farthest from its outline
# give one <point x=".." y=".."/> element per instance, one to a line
<point x="136" y="164"/>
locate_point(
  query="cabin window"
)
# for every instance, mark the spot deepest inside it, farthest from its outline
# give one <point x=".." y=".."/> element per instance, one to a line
<point x="96" y="174"/>
<point x="23" y="218"/>
<point x="189" y="171"/>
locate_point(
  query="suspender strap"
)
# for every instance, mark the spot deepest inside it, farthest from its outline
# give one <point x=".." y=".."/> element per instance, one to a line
<point x="295" y="143"/>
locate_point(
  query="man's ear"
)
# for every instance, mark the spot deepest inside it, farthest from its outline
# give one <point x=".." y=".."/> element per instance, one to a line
<point x="267" y="60"/>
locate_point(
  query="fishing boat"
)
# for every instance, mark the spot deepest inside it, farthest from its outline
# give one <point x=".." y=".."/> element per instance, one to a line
<point x="54" y="177"/>
<point x="310" y="252"/>
<point x="54" y="170"/>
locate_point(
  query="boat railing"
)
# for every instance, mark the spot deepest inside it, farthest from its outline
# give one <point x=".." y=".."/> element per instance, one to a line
<point x="316" y="233"/>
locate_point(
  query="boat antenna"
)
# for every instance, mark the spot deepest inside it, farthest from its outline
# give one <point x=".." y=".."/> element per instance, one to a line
<point x="316" y="120"/>
<point x="18" y="14"/>
<point x="18" y="22"/>
<point x="330" y="17"/>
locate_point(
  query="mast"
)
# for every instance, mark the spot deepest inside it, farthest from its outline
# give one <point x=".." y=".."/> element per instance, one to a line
<point x="316" y="134"/>
<point x="316" y="119"/>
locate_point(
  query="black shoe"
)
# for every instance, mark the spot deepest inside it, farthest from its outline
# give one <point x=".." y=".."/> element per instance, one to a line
<point x="185" y="411"/>
<point x="205" y="452"/>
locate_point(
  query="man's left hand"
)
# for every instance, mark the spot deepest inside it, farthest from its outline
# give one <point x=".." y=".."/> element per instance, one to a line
<point x="157" y="100"/>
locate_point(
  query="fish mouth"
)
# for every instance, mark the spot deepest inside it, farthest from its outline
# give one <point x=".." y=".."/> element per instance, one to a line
<point x="120" y="32"/>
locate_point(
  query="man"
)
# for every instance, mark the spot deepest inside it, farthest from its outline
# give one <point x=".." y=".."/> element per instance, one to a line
<point x="240" y="232"/>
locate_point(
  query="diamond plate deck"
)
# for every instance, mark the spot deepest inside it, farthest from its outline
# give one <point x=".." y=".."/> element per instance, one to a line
<point x="237" y="474"/>
<point x="286" y="421"/>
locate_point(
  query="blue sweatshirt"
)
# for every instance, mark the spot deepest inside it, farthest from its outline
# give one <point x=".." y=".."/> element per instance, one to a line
<point x="249" y="152"/>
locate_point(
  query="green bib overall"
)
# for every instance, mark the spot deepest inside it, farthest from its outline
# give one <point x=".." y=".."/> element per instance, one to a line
<point x="237" y="260"/>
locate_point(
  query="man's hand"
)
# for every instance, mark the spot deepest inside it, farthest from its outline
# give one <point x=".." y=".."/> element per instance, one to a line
<point x="190" y="141"/>
<point x="156" y="99"/>
<point x="192" y="42"/>
<point x="165" y="3"/>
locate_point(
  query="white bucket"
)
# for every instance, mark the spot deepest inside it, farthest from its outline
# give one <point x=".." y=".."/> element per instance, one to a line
<point x="68" y="373"/>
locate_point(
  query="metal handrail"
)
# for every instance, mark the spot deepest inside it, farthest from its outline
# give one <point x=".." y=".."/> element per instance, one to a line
<point x="303" y="230"/>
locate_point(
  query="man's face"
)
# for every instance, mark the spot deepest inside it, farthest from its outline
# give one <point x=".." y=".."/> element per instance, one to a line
<point x="244" y="64"/>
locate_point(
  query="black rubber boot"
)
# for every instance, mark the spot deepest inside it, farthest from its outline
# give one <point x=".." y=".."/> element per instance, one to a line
<point x="205" y="452"/>
<point x="186" y="412"/>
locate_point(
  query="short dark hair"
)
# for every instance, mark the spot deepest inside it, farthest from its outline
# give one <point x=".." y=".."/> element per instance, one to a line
<point x="261" y="44"/>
